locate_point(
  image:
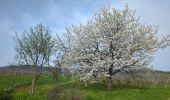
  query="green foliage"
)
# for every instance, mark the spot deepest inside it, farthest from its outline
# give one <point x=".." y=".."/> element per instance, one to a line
<point x="34" y="46"/>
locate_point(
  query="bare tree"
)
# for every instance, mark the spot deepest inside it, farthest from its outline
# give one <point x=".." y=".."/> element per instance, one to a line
<point x="112" y="41"/>
<point x="34" y="47"/>
<point x="56" y="67"/>
<point x="55" y="70"/>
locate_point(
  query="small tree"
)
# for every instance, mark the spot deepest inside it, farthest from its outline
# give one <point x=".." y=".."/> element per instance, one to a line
<point x="56" y="68"/>
<point x="112" y="41"/>
<point x="34" y="47"/>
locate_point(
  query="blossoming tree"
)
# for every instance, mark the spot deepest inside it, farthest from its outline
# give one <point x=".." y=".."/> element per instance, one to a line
<point x="112" y="41"/>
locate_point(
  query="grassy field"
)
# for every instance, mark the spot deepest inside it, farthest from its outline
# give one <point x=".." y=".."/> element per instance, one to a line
<point x="15" y="87"/>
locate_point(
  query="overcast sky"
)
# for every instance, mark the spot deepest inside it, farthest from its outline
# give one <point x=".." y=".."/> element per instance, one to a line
<point x="18" y="15"/>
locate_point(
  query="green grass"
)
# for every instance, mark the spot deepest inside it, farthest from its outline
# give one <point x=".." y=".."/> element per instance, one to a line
<point x="19" y="85"/>
<point x="128" y="94"/>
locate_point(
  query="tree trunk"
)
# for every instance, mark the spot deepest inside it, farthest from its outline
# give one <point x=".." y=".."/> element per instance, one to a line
<point x="32" y="86"/>
<point x="109" y="78"/>
<point x="109" y="82"/>
<point x="54" y="76"/>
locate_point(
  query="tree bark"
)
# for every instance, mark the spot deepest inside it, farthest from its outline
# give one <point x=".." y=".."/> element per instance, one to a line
<point x="109" y="82"/>
<point x="109" y="78"/>
<point x="32" y="86"/>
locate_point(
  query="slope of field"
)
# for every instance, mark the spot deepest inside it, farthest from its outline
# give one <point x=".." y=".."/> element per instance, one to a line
<point x="12" y="84"/>
<point x="25" y="69"/>
<point x="15" y="87"/>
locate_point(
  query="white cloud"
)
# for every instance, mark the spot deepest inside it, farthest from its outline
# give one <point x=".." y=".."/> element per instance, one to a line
<point x="59" y="14"/>
<point x="6" y="25"/>
<point x="6" y="40"/>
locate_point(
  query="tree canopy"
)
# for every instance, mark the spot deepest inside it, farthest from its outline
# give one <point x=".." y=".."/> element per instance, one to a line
<point x="112" y="41"/>
<point x="35" y="47"/>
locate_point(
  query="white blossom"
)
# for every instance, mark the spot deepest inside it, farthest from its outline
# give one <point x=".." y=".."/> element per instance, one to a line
<point x="111" y="42"/>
